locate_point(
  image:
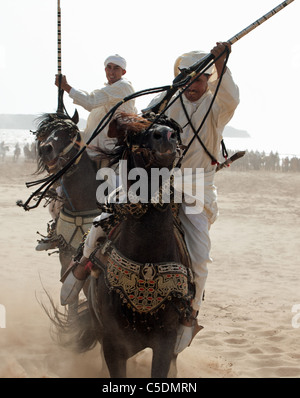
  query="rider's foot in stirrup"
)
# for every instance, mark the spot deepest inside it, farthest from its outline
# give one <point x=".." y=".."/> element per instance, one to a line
<point x="50" y="241"/>
<point x="186" y="332"/>
<point x="74" y="282"/>
<point x="46" y="244"/>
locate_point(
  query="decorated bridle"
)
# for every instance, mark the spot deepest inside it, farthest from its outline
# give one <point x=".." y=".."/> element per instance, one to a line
<point x="61" y="126"/>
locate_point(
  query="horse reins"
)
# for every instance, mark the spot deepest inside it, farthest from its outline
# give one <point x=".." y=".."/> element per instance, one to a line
<point x="214" y="161"/>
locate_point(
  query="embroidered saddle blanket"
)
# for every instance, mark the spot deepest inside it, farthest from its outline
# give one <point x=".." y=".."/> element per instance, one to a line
<point x="143" y="287"/>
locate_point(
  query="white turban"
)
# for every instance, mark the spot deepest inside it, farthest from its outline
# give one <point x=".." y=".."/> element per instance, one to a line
<point x="188" y="59"/>
<point x="116" y="59"/>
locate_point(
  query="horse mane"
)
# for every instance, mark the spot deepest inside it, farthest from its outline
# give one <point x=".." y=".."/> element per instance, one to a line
<point x="121" y="127"/>
<point x="125" y="123"/>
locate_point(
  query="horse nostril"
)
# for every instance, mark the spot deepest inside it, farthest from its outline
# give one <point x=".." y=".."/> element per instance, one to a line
<point x="171" y="135"/>
<point x="157" y="135"/>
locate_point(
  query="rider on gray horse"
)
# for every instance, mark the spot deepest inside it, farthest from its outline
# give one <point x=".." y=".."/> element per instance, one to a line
<point x="98" y="103"/>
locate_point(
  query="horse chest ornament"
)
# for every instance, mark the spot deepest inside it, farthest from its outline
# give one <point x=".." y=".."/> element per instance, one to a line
<point x="145" y="287"/>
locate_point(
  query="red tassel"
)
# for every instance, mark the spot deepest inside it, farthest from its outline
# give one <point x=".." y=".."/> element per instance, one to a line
<point x="88" y="266"/>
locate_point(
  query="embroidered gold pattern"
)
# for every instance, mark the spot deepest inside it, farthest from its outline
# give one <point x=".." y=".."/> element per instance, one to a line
<point x="145" y="287"/>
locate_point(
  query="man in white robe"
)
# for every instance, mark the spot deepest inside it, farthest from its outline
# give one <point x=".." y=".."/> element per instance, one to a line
<point x="99" y="102"/>
<point x="196" y="100"/>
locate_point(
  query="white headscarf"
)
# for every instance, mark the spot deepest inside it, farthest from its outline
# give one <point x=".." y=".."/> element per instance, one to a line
<point x="116" y="59"/>
<point x="188" y="59"/>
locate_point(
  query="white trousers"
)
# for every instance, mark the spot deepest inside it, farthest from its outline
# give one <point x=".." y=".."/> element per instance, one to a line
<point x="198" y="244"/>
<point x="94" y="234"/>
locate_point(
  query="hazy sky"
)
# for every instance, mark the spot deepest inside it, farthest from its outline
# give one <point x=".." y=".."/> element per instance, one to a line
<point x="151" y="35"/>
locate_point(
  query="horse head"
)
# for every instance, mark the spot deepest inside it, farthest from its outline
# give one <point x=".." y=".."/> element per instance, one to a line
<point x="148" y="143"/>
<point x="57" y="135"/>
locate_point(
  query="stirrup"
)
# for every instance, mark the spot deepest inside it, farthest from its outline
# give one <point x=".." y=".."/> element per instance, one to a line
<point x="46" y="244"/>
<point x="50" y="241"/>
<point x="70" y="289"/>
<point x="185" y="336"/>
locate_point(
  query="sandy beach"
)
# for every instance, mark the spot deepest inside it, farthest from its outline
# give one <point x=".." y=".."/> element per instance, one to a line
<point x="250" y="329"/>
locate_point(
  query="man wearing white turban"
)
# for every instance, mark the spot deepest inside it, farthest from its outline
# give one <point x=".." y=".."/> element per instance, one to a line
<point x="189" y="113"/>
<point x="100" y="101"/>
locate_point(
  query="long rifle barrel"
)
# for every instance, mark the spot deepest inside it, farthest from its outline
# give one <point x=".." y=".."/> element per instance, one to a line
<point x="202" y="63"/>
<point x="255" y="24"/>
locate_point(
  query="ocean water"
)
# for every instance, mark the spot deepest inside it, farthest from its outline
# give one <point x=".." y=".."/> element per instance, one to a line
<point x="12" y="137"/>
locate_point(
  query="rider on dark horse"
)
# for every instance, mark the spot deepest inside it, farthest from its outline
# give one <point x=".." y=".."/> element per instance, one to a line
<point x="98" y="103"/>
<point x="189" y="111"/>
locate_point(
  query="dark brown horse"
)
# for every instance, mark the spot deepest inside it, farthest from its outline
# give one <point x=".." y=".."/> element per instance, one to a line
<point x="141" y="283"/>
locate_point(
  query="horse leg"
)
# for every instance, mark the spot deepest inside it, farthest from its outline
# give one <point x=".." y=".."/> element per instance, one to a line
<point x="163" y="354"/>
<point x="173" y="367"/>
<point x="104" y="369"/>
<point x="114" y="358"/>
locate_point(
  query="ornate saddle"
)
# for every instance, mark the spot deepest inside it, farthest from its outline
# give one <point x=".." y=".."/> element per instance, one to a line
<point x="145" y="288"/>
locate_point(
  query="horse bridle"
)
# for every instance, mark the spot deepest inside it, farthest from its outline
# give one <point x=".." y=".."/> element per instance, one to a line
<point x="75" y="143"/>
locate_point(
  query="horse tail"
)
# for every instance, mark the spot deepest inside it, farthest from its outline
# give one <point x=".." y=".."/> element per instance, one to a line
<point x="73" y="330"/>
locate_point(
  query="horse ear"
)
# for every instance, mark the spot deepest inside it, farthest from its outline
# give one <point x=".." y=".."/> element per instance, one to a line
<point x="75" y="117"/>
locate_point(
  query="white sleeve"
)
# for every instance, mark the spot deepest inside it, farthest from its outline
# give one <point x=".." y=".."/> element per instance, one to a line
<point x="227" y="98"/>
<point x="88" y="101"/>
<point x="109" y="95"/>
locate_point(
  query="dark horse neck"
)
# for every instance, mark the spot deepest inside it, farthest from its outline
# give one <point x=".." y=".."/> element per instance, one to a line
<point x="80" y="185"/>
<point x="150" y="237"/>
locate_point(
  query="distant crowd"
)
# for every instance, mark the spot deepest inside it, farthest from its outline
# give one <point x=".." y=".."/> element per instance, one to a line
<point x="252" y="160"/>
<point x="28" y="150"/>
<point x="255" y="160"/>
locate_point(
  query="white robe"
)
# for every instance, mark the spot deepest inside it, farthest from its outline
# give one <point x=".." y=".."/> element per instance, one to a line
<point x="99" y="103"/>
<point x="196" y="226"/>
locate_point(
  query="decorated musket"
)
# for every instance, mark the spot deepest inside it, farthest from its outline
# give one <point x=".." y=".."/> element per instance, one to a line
<point x="60" y="106"/>
<point x="60" y="102"/>
<point x="204" y="63"/>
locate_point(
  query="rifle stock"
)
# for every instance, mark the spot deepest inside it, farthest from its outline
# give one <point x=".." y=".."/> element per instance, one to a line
<point x="230" y="160"/>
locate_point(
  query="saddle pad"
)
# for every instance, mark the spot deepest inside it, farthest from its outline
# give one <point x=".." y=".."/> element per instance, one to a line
<point x="145" y="287"/>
